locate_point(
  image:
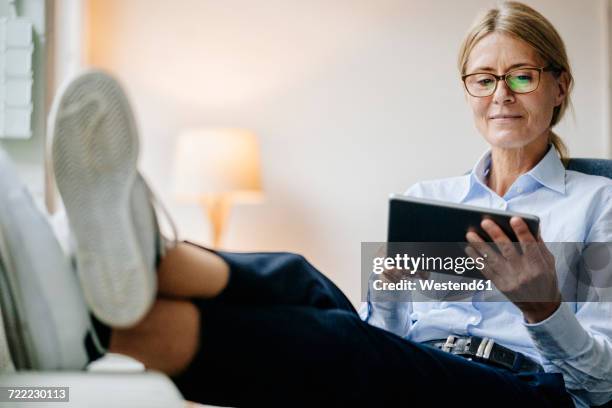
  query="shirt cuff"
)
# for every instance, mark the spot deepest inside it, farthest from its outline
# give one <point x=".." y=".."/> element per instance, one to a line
<point x="364" y="311"/>
<point x="560" y="336"/>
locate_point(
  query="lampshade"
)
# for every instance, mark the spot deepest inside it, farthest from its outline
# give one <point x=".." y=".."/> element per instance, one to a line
<point x="217" y="162"/>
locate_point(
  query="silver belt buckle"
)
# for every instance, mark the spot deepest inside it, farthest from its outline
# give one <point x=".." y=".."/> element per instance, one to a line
<point x="450" y="343"/>
<point x="484" y="348"/>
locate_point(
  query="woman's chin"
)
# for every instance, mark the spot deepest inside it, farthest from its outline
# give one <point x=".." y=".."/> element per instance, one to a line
<point x="508" y="140"/>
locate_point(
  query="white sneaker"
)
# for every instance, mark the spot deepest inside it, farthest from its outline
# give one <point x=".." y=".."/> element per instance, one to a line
<point x="6" y="362"/>
<point x="141" y="201"/>
<point x="45" y="316"/>
<point x="116" y="363"/>
<point x="108" y="204"/>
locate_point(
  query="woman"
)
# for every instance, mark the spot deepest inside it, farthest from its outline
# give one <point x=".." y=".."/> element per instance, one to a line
<point x="269" y="329"/>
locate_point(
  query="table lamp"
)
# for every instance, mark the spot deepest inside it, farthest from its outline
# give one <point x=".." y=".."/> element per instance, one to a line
<point x="217" y="168"/>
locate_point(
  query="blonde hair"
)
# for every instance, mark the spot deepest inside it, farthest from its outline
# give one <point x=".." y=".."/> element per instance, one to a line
<point x="523" y="22"/>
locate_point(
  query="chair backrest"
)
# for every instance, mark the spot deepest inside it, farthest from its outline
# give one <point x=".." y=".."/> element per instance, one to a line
<point x="595" y="167"/>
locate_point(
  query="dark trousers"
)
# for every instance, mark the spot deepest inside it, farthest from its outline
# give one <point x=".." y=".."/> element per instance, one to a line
<point x="282" y="334"/>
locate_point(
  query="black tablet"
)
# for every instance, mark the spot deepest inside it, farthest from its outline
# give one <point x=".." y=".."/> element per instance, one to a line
<point x="423" y="220"/>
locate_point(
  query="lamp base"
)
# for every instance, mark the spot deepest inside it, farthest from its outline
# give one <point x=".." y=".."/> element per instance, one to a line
<point x="217" y="209"/>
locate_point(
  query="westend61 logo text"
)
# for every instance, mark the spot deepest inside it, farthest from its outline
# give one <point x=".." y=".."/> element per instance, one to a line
<point x="412" y="264"/>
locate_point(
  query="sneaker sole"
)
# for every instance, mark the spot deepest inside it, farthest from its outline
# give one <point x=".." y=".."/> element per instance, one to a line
<point x="95" y="154"/>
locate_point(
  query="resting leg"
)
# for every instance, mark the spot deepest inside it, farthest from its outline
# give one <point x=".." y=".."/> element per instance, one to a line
<point x="188" y="271"/>
<point x="165" y="340"/>
<point x="247" y="278"/>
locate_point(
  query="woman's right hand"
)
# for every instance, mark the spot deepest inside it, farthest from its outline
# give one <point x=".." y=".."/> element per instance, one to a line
<point x="394" y="275"/>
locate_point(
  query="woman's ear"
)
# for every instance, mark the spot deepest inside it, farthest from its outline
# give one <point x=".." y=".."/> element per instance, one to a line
<point x="563" y="82"/>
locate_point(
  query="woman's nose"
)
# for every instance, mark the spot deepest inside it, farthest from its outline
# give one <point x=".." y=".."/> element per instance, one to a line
<point x="503" y="94"/>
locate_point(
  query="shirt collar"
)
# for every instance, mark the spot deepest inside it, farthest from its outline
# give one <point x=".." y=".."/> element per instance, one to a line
<point x="549" y="172"/>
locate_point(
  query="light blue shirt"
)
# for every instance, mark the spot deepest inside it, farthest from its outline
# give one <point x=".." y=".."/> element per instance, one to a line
<point x="576" y="340"/>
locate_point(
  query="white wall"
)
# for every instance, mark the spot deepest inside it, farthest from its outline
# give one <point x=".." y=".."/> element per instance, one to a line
<point x="351" y="99"/>
<point x="29" y="153"/>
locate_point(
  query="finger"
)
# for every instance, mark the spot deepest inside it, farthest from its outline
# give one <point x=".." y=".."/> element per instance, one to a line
<point x="472" y="236"/>
<point x="393" y="275"/>
<point x="525" y="237"/>
<point x="493" y="259"/>
<point x="504" y="244"/>
<point x="473" y="253"/>
<point x="521" y="230"/>
<point x="544" y="249"/>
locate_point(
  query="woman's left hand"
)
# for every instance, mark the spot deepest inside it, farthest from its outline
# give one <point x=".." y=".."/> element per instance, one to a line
<point x="527" y="277"/>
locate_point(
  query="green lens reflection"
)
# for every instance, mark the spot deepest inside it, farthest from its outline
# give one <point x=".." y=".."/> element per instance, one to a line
<point x="522" y="81"/>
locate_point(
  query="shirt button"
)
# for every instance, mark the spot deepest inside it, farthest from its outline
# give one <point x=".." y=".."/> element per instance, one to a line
<point x="519" y="190"/>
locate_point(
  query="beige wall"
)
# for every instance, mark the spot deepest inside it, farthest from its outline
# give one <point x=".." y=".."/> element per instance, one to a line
<point x="352" y="100"/>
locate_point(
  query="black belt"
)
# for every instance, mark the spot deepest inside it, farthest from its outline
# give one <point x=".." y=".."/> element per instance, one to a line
<point x="487" y="351"/>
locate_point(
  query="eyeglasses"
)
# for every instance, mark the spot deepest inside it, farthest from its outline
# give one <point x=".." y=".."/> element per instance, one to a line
<point x="520" y="81"/>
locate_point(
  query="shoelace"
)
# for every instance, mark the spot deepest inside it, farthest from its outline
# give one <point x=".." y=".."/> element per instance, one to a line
<point x="158" y="206"/>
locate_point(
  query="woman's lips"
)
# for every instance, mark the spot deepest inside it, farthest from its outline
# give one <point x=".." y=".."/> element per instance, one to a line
<point x="505" y="117"/>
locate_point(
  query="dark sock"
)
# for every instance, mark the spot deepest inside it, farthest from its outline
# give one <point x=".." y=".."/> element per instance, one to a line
<point x="97" y="339"/>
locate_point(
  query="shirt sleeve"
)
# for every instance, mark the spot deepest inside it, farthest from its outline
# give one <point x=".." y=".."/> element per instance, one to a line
<point x="578" y="346"/>
<point x="578" y="343"/>
<point x="392" y="315"/>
